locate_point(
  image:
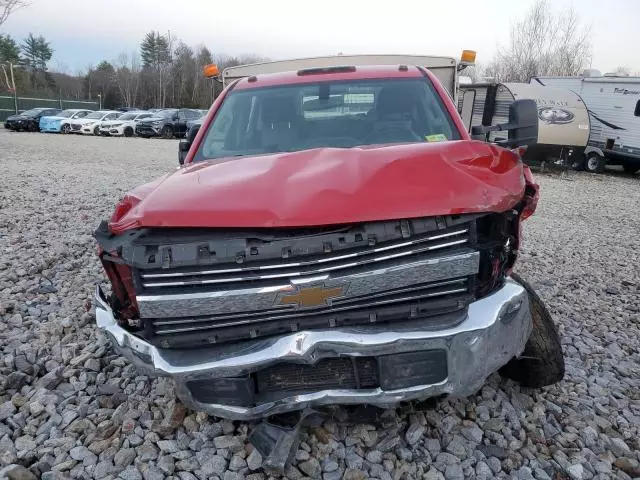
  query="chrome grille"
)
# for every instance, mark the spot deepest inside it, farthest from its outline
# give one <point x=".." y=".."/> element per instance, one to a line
<point x="338" y="263"/>
<point x="413" y="302"/>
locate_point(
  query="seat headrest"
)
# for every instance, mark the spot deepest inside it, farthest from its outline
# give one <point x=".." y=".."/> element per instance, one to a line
<point x="280" y="108"/>
<point x="396" y="100"/>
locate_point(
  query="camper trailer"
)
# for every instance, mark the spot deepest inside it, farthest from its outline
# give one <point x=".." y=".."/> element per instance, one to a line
<point x="444" y="68"/>
<point x="563" y="121"/>
<point x="613" y="104"/>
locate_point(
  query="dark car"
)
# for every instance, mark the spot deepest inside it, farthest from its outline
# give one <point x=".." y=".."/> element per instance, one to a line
<point x="29" y="120"/>
<point x="168" y="123"/>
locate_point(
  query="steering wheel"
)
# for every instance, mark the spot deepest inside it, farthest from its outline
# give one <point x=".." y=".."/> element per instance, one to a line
<point x="393" y="134"/>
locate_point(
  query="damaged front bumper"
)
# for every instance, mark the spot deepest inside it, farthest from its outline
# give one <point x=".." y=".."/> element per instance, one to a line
<point x="415" y="360"/>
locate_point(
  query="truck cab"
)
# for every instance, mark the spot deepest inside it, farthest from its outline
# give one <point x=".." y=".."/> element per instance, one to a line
<point x="334" y="237"/>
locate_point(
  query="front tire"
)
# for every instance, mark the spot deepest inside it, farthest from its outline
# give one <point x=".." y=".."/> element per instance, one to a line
<point x="167" y="132"/>
<point x="96" y="131"/>
<point x="542" y="362"/>
<point x="595" y="163"/>
<point x="66" y="128"/>
<point x="128" y="132"/>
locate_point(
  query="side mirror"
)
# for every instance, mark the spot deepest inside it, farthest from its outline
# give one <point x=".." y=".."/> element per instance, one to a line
<point x="183" y="149"/>
<point x="522" y="127"/>
<point x="185" y="144"/>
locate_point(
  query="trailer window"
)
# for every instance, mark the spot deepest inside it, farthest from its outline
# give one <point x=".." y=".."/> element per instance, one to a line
<point x="637" y="110"/>
<point x="328" y="114"/>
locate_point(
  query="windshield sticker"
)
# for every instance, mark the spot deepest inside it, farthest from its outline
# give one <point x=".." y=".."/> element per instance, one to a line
<point x="439" y="137"/>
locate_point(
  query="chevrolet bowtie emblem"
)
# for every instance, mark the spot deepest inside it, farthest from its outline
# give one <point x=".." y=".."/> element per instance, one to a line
<point x="312" y="296"/>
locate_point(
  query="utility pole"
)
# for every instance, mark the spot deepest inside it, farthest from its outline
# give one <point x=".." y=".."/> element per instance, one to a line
<point x="15" y="90"/>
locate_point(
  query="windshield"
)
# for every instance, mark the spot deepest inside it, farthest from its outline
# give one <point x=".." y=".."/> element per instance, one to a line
<point x="165" y="113"/>
<point x="95" y="115"/>
<point x="128" y="116"/>
<point x="66" y="113"/>
<point x="32" y="112"/>
<point x="342" y="114"/>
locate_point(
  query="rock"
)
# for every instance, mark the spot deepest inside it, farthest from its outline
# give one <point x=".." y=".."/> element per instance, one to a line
<point x="483" y="471"/>
<point x="130" y="473"/>
<point x="457" y="447"/>
<point x="234" y="444"/>
<point x="629" y="466"/>
<point x="329" y="465"/>
<point x="168" y="446"/>
<point x="166" y="464"/>
<point x="102" y="469"/>
<point x="16" y="472"/>
<point x="311" y="468"/>
<point x="576" y="472"/>
<point x="80" y="453"/>
<point x="254" y="460"/>
<point x="216" y="465"/>
<point x="493" y="451"/>
<point x="7" y="409"/>
<point x="351" y="474"/>
<point x="124" y="457"/>
<point x="433" y="474"/>
<point x="494" y="464"/>
<point x="619" y="447"/>
<point x="433" y="446"/>
<point x="453" y="472"/>
<point x="374" y="456"/>
<point x="473" y="434"/>
<point x="388" y="443"/>
<point x="414" y="433"/>
<point x="25" y="443"/>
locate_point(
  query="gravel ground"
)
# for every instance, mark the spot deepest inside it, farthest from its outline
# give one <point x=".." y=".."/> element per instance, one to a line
<point x="70" y="408"/>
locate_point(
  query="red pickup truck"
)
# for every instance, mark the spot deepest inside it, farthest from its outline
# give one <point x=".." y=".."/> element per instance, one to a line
<point x="335" y="236"/>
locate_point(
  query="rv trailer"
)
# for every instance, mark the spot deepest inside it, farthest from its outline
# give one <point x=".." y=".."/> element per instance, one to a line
<point x="563" y="121"/>
<point x="613" y="103"/>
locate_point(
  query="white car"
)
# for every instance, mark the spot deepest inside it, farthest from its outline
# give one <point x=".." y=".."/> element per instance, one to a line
<point x="90" y="125"/>
<point x="125" y="124"/>
<point x="61" y="122"/>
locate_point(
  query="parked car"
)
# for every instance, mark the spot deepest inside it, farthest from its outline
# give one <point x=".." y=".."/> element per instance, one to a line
<point x="29" y="120"/>
<point x="168" y="123"/>
<point x="61" y="123"/>
<point x="90" y="125"/>
<point x="124" y="125"/>
<point x="306" y="256"/>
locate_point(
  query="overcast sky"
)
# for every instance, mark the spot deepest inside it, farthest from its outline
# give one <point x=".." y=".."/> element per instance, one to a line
<point x="84" y="32"/>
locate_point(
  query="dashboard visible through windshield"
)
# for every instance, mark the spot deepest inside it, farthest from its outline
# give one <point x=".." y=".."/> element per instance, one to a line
<point x="340" y="114"/>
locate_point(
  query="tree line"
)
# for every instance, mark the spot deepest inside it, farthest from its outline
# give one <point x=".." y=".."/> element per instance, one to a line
<point x="165" y="72"/>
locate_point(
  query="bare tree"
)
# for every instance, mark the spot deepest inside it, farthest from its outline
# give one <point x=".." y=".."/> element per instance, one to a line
<point x="7" y="7"/>
<point x="622" y="71"/>
<point x="543" y="43"/>
<point x="127" y="77"/>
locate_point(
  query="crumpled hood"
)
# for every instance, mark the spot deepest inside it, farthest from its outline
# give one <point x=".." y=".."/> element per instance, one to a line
<point x="329" y="186"/>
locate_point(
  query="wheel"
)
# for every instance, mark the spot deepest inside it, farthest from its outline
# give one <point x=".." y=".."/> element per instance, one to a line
<point x="128" y="132"/>
<point x="578" y="162"/>
<point x="630" y="169"/>
<point x="542" y="362"/>
<point x="167" y="132"/>
<point x="96" y="131"/>
<point x="33" y="127"/>
<point x="595" y="163"/>
<point x="66" y="128"/>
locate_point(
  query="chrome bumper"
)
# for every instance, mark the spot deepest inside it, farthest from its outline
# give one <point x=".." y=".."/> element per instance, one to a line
<point x="494" y="330"/>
